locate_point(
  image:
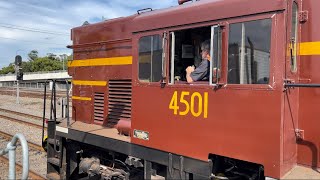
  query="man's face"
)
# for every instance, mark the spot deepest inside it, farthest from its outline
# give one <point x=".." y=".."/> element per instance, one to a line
<point x="204" y="54"/>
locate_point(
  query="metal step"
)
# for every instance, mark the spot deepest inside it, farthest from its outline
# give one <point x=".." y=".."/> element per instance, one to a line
<point x="54" y="161"/>
<point x="53" y="176"/>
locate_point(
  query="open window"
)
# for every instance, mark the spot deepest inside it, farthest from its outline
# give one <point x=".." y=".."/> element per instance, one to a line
<point x="249" y="52"/>
<point x="186" y="50"/>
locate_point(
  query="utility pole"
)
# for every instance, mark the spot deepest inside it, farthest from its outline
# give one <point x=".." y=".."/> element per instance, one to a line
<point x="62" y="58"/>
<point x="65" y="58"/>
<point x="17" y="101"/>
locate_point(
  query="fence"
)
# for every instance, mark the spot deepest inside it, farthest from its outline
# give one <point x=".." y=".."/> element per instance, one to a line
<point x="31" y="85"/>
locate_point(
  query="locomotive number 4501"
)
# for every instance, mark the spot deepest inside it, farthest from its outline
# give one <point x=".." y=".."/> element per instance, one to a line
<point x="198" y="105"/>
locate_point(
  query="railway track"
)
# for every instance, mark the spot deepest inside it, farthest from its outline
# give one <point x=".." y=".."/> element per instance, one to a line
<point x="32" y="174"/>
<point x="30" y="144"/>
<point x="10" y="118"/>
<point x="34" y="149"/>
<point x="30" y="94"/>
<point x="21" y="114"/>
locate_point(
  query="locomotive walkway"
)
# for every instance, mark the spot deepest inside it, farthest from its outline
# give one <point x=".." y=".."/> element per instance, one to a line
<point x="300" y="172"/>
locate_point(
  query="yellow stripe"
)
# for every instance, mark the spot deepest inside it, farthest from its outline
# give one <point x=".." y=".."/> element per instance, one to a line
<point x="127" y="60"/>
<point x="81" y="98"/>
<point x="309" y="48"/>
<point x="89" y="83"/>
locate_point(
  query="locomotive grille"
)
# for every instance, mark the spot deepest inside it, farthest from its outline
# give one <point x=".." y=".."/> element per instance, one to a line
<point x="119" y="101"/>
<point x="98" y="107"/>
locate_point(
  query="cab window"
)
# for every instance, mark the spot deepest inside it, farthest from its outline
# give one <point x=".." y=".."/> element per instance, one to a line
<point x="249" y="52"/>
<point x="150" y="58"/>
<point x="197" y="48"/>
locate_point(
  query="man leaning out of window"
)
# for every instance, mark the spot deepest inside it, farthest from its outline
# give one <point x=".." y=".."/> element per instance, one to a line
<point x="203" y="70"/>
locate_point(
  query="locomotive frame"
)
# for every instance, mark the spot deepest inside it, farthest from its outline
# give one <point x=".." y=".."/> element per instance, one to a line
<point x="171" y="129"/>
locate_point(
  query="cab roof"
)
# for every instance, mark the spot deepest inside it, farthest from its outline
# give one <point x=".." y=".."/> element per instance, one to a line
<point x="203" y="10"/>
<point x="189" y="13"/>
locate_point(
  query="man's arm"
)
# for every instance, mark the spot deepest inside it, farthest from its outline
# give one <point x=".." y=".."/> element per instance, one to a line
<point x="189" y="79"/>
<point x="189" y="70"/>
<point x="199" y="73"/>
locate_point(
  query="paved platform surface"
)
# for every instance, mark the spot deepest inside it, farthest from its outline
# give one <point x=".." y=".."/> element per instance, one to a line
<point x="300" y="172"/>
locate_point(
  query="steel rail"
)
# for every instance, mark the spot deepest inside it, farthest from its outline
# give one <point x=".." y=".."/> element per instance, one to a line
<point x="21" y="121"/>
<point x="28" y="93"/>
<point x="32" y="174"/>
<point x="30" y="144"/>
<point x="21" y="114"/>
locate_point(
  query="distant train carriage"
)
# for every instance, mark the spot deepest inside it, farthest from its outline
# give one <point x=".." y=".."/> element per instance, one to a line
<point x="135" y="116"/>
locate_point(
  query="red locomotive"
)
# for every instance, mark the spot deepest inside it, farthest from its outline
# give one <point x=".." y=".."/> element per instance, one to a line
<point x="135" y="116"/>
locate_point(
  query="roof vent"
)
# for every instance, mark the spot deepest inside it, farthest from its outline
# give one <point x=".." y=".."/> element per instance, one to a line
<point x="183" y="1"/>
<point x="85" y="23"/>
<point x="144" y="10"/>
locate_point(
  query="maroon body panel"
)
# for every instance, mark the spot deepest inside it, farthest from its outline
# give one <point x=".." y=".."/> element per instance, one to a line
<point x="106" y="31"/>
<point x="224" y="132"/>
<point x="243" y="122"/>
<point x="309" y="101"/>
<point x="107" y="39"/>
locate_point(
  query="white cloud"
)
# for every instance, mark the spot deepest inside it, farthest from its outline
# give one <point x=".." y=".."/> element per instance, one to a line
<point x="58" y="16"/>
<point x="5" y="5"/>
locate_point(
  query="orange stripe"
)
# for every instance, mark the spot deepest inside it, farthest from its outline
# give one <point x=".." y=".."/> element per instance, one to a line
<point x="127" y="60"/>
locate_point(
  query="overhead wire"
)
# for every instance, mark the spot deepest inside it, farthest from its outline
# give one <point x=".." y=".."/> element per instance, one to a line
<point x="31" y="41"/>
<point x="34" y="30"/>
<point x="10" y="26"/>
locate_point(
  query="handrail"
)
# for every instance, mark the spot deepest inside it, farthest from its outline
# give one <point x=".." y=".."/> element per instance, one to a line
<point x="67" y="110"/>
<point x="291" y="85"/>
<point x="44" y="112"/>
<point x="11" y="149"/>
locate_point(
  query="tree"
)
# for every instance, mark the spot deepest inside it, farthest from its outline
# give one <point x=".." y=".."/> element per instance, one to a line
<point x="33" y="55"/>
<point x="51" y="62"/>
<point x="7" y="70"/>
<point x="45" y="64"/>
<point x="26" y="66"/>
<point x="52" y="56"/>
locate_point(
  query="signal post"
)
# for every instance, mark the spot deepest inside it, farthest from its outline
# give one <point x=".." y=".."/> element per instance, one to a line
<point x="19" y="73"/>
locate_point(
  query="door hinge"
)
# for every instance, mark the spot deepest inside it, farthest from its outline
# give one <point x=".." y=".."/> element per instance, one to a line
<point x="299" y="134"/>
<point x="303" y="16"/>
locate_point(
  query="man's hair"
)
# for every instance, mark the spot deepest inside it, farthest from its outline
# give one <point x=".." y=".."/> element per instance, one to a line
<point x="205" y="45"/>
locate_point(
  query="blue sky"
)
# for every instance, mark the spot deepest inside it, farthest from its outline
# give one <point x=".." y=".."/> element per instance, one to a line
<point x="44" y="25"/>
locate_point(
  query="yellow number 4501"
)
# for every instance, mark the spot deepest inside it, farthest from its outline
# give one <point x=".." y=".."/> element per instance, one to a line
<point x="196" y="98"/>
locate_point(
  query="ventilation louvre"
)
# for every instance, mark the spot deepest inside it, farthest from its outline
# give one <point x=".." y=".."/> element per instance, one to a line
<point x="98" y="108"/>
<point x="119" y="101"/>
